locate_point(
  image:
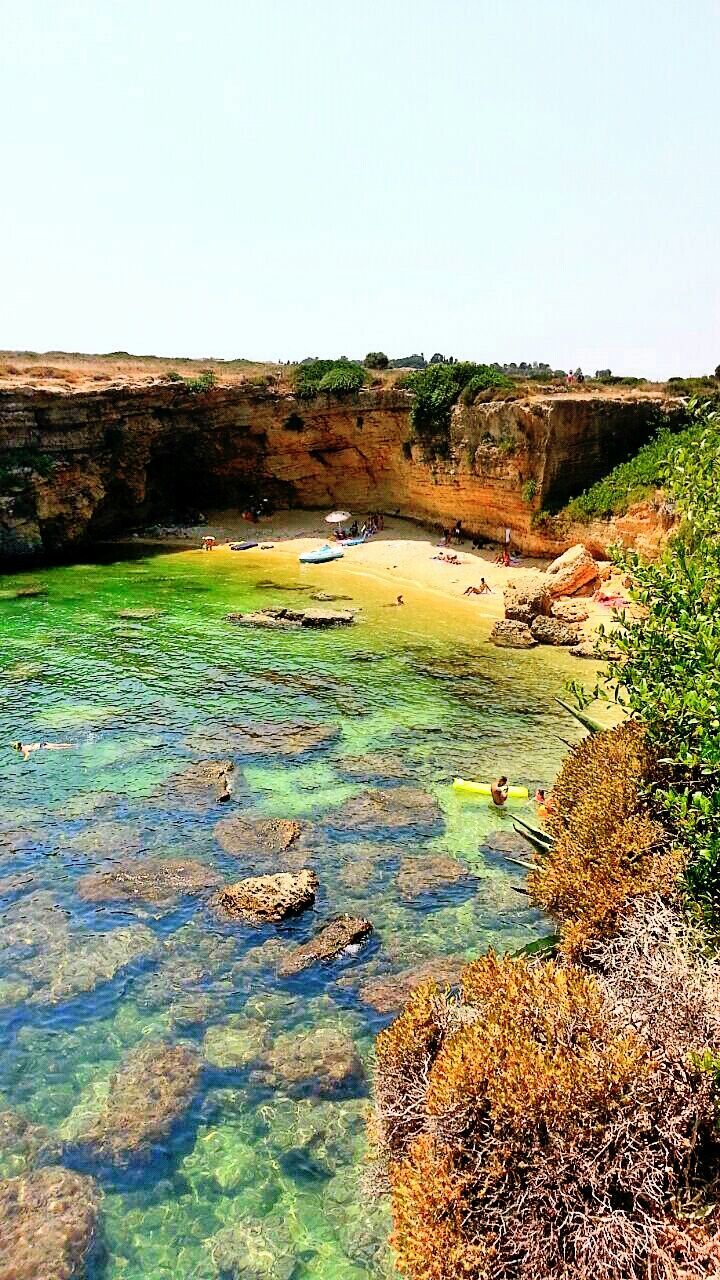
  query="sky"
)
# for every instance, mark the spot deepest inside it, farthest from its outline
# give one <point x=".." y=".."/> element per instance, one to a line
<point x="493" y="179"/>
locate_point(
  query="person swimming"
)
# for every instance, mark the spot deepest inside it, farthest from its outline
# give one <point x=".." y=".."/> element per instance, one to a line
<point x="25" y="748"/>
<point x="499" y="791"/>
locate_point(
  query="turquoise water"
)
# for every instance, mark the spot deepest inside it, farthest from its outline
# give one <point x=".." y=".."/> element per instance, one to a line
<point x="257" y="1172"/>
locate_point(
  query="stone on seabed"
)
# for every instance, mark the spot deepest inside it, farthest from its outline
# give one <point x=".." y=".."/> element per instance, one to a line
<point x="268" y="899"/>
<point x="327" y="944"/>
<point x="47" y="1224"/>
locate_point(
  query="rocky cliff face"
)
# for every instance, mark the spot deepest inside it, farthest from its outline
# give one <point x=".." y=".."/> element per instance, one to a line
<point x="81" y="465"/>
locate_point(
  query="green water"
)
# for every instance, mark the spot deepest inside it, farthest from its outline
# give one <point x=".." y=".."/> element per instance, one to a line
<point x="260" y="1175"/>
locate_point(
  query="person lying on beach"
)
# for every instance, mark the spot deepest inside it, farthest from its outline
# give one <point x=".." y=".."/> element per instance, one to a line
<point x="478" y="591"/>
<point x="499" y="791"/>
<point x="453" y="559"/>
<point x="24" y="748"/>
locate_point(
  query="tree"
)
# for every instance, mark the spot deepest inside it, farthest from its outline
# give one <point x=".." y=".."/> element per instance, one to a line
<point x="376" y="360"/>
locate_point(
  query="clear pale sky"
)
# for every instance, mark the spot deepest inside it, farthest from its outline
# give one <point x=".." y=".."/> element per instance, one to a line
<point x="496" y="179"/>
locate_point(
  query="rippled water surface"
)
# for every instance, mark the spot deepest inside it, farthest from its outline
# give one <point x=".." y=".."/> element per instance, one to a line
<point x="262" y="1081"/>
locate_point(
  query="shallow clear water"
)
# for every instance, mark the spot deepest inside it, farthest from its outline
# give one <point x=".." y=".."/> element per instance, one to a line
<point x="259" y="1174"/>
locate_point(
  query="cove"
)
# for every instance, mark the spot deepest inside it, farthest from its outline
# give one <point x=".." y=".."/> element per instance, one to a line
<point x="156" y="1048"/>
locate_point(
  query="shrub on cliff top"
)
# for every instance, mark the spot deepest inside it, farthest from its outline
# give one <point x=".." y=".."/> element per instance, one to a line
<point x="333" y="377"/>
<point x="541" y="1134"/>
<point x="376" y="360"/>
<point x="437" y="389"/>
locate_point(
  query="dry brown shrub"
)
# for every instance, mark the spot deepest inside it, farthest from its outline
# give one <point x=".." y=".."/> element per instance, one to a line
<point x="607" y="848"/>
<point x="558" y="1123"/>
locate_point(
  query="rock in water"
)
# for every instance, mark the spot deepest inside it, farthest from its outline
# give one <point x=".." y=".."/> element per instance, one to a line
<point x="153" y="1088"/>
<point x="240" y="836"/>
<point x="47" y="1225"/>
<point x="268" y="899"/>
<point x="329" y="943"/>
<point x="88" y="961"/>
<point x="395" y="809"/>
<point x="512" y="635"/>
<point x="553" y="631"/>
<point x="425" y="873"/>
<point x="323" y="1063"/>
<point x="153" y="880"/>
<point x="573" y="573"/>
<point x="207" y="780"/>
<point x="389" y="992"/>
<point x="328" y="618"/>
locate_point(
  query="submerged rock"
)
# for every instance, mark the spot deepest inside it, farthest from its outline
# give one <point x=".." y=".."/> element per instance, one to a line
<point x="425" y="873"/>
<point x="327" y="597"/>
<point x="159" y="880"/>
<point x="268" y="899"/>
<point x="151" y="1091"/>
<point x="204" y="780"/>
<point x="322" y="1062"/>
<point x="139" y="614"/>
<point x="507" y="634"/>
<point x="235" y="1045"/>
<point x="88" y="961"/>
<point x="372" y="765"/>
<point x="393" y="810"/>
<point x="239" y="835"/>
<point x="553" y="631"/>
<point x="47" y="1225"/>
<point x="328" y="944"/>
<point x="247" y="1250"/>
<point x="272" y="737"/>
<point x="24" y="1145"/>
<point x="388" y="993"/>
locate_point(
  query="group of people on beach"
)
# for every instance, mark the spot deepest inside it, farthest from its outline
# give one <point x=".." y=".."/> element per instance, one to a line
<point x="374" y="523"/>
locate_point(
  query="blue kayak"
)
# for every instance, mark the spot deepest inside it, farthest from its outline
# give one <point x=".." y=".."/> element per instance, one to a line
<point x="321" y="555"/>
<point x="242" y="546"/>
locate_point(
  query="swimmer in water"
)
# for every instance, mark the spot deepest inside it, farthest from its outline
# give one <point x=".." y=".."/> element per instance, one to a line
<point x="499" y="791"/>
<point x="25" y="748"/>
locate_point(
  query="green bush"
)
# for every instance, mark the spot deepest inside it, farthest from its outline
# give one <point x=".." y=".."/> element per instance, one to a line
<point x="376" y="360"/>
<point x="342" y="380"/>
<point x="172" y="375"/>
<point x="529" y="490"/>
<point x="667" y="668"/>
<point x="630" y="482"/>
<point x="204" y="382"/>
<point x="334" y="377"/>
<point x="437" y="389"/>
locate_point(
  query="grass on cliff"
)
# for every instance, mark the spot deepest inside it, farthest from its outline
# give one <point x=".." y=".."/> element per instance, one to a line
<point x="631" y="481"/>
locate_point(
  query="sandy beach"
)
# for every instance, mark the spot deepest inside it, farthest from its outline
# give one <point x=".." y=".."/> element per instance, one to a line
<point x="403" y="557"/>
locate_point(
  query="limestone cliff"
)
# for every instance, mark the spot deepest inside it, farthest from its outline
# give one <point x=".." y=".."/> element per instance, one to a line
<point x="79" y="465"/>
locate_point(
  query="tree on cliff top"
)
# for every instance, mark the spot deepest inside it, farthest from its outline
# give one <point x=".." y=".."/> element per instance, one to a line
<point x="437" y="389"/>
<point x="376" y="360"/>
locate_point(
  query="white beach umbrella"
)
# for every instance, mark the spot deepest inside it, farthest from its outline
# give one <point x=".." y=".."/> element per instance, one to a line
<point x="338" y="517"/>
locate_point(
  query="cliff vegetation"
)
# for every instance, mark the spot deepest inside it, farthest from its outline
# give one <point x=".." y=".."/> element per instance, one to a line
<point x="559" y="1117"/>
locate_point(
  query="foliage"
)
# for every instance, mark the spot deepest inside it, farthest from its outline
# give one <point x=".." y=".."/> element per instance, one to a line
<point x="667" y="672"/>
<point x="519" y="1151"/>
<point x="334" y="377"/>
<point x="437" y="389"/>
<point x="607" y="848"/>
<point x="631" y="481"/>
<point x="13" y="462"/>
<point x="693" y="386"/>
<point x="529" y="490"/>
<point x="172" y="375"/>
<point x="204" y="382"/>
<point x="376" y="360"/>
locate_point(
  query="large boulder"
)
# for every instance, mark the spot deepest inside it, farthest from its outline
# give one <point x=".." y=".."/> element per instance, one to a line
<point x="328" y="618"/>
<point x="148" y="1095"/>
<point x="268" y="899"/>
<point x="570" y="611"/>
<point x="573" y="573"/>
<point x="47" y="1225"/>
<point x="553" y="631"/>
<point x="524" y="600"/>
<point x="507" y="634"/>
<point x="158" y="880"/>
<point x="345" y="931"/>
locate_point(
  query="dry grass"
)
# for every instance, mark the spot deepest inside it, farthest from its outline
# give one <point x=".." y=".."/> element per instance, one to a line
<point x="554" y="1122"/>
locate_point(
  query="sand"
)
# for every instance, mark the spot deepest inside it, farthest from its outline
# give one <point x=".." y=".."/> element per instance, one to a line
<point x="403" y="557"/>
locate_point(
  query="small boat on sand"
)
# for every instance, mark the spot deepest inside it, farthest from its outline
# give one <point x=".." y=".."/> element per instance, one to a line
<point x="321" y="555"/>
